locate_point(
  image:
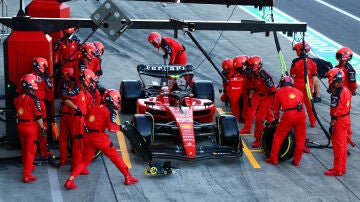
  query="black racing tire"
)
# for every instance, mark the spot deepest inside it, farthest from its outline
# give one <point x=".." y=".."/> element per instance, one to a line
<point x="228" y="131"/>
<point x="145" y="126"/>
<point x="130" y="91"/>
<point x="203" y="89"/>
<point x="287" y="147"/>
<point x="69" y="148"/>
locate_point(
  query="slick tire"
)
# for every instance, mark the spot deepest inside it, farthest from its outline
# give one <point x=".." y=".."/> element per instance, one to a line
<point x="287" y="148"/>
<point x="130" y="91"/>
<point x="203" y="90"/>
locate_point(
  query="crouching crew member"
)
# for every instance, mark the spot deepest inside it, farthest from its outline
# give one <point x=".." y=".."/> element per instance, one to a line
<point x="290" y="100"/>
<point x="29" y="123"/>
<point x="340" y="120"/>
<point x="98" y="119"/>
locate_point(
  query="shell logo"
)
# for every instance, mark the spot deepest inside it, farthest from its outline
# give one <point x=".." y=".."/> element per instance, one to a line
<point x="185" y="126"/>
<point x="83" y="98"/>
<point x="292" y="96"/>
<point x="348" y="103"/>
<point x="21" y="111"/>
<point x="92" y="118"/>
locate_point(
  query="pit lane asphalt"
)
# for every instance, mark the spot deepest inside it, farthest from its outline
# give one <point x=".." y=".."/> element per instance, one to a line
<point x="210" y="180"/>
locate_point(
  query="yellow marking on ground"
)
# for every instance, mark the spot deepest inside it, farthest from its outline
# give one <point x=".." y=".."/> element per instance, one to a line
<point x="124" y="152"/>
<point x="249" y="155"/>
<point x="247" y="134"/>
<point x="220" y="110"/>
<point x="255" y="150"/>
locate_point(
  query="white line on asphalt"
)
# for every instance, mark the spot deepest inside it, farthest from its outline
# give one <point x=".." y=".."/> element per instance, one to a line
<point x="55" y="190"/>
<point x="338" y="10"/>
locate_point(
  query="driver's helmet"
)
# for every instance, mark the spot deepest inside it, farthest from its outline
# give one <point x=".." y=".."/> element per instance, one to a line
<point x="174" y="99"/>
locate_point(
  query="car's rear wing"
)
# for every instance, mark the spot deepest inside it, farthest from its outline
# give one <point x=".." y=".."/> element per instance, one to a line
<point x="167" y="71"/>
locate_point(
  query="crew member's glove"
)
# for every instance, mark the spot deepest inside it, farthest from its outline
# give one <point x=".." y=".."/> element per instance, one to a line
<point x="78" y="112"/>
<point x="249" y="102"/>
<point x="275" y="122"/>
<point x="43" y="132"/>
<point x="331" y="130"/>
<point x="354" y="93"/>
<point x="99" y="72"/>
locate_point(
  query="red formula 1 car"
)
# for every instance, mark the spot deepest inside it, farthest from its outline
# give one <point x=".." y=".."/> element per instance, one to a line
<point x="176" y="121"/>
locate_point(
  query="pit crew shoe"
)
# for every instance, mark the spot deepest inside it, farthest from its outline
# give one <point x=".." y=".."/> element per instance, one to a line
<point x="295" y="163"/>
<point x="306" y="149"/>
<point x="351" y="142"/>
<point x="333" y="172"/>
<point x="129" y="180"/>
<point x="29" y="178"/>
<point x="256" y="144"/>
<point x="70" y="184"/>
<point x="271" y="161"/>
<point x="313" y="124"/>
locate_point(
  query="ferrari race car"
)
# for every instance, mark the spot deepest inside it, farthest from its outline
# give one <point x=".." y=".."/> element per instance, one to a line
<point x="174" y="120"/>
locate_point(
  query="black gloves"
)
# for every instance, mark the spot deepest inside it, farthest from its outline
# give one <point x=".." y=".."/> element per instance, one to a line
<point x="99" y="72"/>
<point x="43" y="132"/>
<point x="78" y="112"/>
<point x="275" y="122"/>
<point x="354" y="93"/>
<point x="249" y="102"/>
<point x="331" y="130"/>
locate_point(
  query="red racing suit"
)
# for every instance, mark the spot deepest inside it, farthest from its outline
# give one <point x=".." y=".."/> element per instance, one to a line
<point x="291" y="101"/>
<point x="340" y="113"/>
<point x="175" y="50"/>
<point x="83" y="63"/>
<point x="260" y="103"/>
<point x="350" y="77"/>
<point x="65" y="120"/>
<point x="350" y="83"/>
<point x="80" y="99"/>
<point x="297" y="73"/>
<point x="98" y="119"/>
<point x="28" y="112"/>
<point x="234" y="91"/>
<point x="44" y="91"/>
<point x="63" y="49"/>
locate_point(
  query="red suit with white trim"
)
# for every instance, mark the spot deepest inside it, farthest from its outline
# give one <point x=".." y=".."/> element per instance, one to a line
<point x="98" y="119"/>
<point x="29" y="122"/>
<point x="290" y="100"/>
<point x="260" y="98"/>
<point x="340" y="120"/>
<point x="344" y="55"/>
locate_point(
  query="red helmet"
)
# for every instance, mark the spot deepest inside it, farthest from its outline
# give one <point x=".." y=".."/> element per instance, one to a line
<point x="335" y="75"/>
<point x="112" y="97"/>
<point x="286" y="81"/>
<point x="344" y="54"/>
<point x="155" y="39"/>
<point x="69" y="30"/>
<point x="89" y="50"/>
<point x="227" y="64"/>
<point x="239" y="61"/>
<point x="89" y="79"/>
<point x="40" y="65"/>
<point x="29" y="82"/>
<point x="298" y="47"/>
<point x="68" y="73"/>
<point x="99" y="48"/>
<point x="254" y="63"/>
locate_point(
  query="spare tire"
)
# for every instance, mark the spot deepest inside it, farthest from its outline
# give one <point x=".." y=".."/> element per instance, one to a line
<point x="287" y="147"/>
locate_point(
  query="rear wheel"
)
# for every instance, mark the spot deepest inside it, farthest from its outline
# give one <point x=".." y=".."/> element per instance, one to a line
<point x="130" y="91"/>
<point x="287" y="148"/>
<point x="203" y="90"/>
